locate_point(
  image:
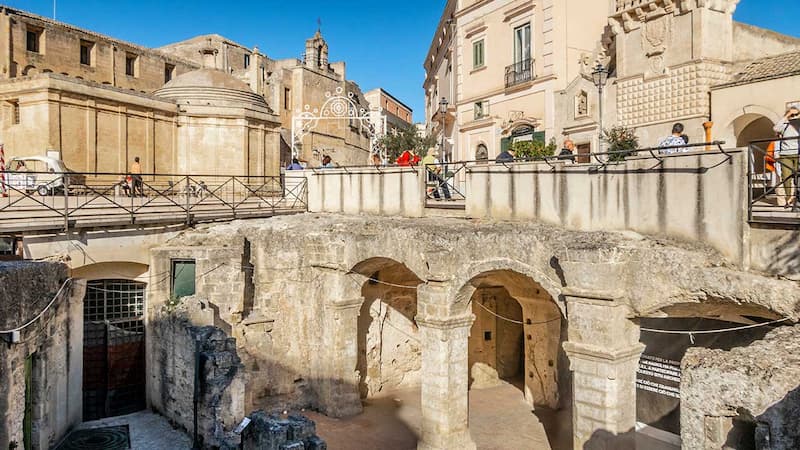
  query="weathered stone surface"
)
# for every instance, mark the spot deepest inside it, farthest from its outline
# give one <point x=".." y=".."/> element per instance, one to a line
<point x="758" y="384"/>
<point x="221" y="390"/>
<point x="53" y="345"/>
<point x="270" y="432"/>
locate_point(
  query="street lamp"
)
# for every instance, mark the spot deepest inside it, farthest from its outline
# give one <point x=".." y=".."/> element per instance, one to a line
<point x="600" y="78"/>
<point x="443" y="111"/>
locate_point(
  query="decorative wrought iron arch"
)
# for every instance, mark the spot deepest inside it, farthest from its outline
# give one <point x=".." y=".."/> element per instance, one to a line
<point x="339" y="107"/>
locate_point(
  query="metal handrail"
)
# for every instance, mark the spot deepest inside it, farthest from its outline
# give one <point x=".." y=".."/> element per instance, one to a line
<point x="442" y="180"/>
<point x="519" y="72"/>
<point x="64" y="200"/>
<point x="761" y="199"/>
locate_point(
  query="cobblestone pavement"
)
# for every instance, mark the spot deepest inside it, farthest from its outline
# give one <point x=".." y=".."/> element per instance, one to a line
<point x="148" y="431"/>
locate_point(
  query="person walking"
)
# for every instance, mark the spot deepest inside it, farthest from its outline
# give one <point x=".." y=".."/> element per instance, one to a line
<point x="675" y="142"/>
<point x="434" y="171"/>
<point x="136" y="177"/>
<point x="786" y="154"/>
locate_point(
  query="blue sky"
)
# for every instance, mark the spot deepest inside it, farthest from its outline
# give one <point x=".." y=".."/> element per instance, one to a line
<point x="383" y="42"/>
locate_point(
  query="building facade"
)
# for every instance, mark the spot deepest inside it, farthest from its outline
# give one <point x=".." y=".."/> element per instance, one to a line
<point x="398" y="115"/>
<point x="511" y="57"/>
<point x="205" y="105"/>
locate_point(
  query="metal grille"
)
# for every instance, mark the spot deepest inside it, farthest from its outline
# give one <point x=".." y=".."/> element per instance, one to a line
<point x="113" y="348"/>
<point x="120" y="302"/>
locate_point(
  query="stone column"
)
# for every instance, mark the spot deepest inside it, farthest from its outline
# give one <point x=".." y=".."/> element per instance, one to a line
<point x="603" y="350"/>
<point x="339" y="394"/>
<point x="445" y="371"/>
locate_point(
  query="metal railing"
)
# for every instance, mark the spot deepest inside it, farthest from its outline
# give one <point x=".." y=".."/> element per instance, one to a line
<point x="519" y="72"/>
<point x="62" y="201"/>
<point x="445" y="182"/>
<point x="773" y="179"/>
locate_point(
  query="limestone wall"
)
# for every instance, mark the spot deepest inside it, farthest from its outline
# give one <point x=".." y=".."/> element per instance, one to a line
<point x="387" y="191"/>
<point x="744" y="398"/>
<point x="60" y="50"/>
<point x="52" y="347"/>
<point x="220" y="407"/>
<point x="699" y="198"/>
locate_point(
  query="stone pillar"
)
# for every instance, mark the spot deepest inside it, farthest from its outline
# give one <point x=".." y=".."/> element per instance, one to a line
<point x="603" y="350"/>
<point x="339" y="394"/>
<point x="445" y="371"/>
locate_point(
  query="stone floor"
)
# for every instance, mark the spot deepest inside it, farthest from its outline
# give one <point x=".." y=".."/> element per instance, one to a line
<point x="148" y="431"/>
<point x="499" y="419"/>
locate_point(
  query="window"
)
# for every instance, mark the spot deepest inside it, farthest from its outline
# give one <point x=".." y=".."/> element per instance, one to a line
<point x="246" y="61"/>
<point x="183" y="277"/>
<point x="522" y="43"/>
<point x="33" y="39"/>
<point x="86" y="52"/>
<point x="169" y="72"/>
<point x="477" y="54"/>
<point x="130" y="65"/>
<point x="287" y="98"/>
<point x="481" y="110"/>
<point x="14" y="111"/>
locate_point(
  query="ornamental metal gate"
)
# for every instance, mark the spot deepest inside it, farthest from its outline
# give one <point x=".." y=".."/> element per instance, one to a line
<point x="113" y="348"/>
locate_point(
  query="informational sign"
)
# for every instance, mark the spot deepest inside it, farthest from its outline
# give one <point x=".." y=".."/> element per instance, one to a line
<point x="659" y="375"/>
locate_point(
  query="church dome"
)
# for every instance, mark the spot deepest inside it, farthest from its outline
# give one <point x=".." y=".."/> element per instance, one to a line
<point x="210" y="87"/>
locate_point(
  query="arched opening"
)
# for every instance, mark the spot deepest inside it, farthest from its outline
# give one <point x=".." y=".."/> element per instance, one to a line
<point x="389" y="352"/>
<point x="388" y="361"/>
<point x="667" y="339"/>
<point x="752" y="127"/>
<point x="29" y="70"/>
<point x="481" y="152"/>
<point x="114" y="378"/>
<point x="515" y="362"/>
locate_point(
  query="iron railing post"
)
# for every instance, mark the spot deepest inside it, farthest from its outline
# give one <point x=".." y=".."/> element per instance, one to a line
<point x="750" y="158"/>
<point x="66" y="202"/>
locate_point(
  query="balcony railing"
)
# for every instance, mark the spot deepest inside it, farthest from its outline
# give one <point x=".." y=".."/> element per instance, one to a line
<point x="519" y="72"/>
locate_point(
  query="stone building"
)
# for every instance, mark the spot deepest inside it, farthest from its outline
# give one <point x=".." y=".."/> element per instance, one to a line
<point x="724" y="78"/>
<point x="98" y="102"/>
<point x="397" y="114"/>
<point x="509" y="58"/>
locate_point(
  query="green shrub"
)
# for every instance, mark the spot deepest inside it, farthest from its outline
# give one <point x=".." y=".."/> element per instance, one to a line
<point x="622" y="142"/>
<point x="533" y="150"/>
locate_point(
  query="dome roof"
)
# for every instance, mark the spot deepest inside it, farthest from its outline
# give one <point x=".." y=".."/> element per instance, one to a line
<point x="210" y="87"/>
<point x="207" y="78"/>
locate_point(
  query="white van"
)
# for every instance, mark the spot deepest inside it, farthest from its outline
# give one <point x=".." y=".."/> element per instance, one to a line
<point x="37" y="173"/>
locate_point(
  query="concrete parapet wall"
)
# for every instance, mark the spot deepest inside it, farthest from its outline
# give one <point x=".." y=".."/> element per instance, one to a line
<point x="697" y="197"/>
<point x="395" y="191"/>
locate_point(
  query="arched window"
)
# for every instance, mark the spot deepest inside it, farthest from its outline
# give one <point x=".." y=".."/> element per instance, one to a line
<point x="481" y="153"/>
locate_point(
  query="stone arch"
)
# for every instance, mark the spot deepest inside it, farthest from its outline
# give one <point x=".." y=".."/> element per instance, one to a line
<point x="665" y="352"/>
<point x="128" y="270"/>
<point x="388" y="344"/>
<point x="736" y="122"/>
<point x="515" y="317"/>
<point x="29" y="70"/>
<point x="463" y="295"/>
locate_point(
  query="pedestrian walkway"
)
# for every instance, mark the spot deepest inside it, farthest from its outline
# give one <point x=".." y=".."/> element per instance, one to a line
<point x="148" y="431"/>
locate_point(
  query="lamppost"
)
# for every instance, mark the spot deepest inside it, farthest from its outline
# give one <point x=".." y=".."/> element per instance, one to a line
<point x="443" y="112"/>
<point x="600" y="78"/>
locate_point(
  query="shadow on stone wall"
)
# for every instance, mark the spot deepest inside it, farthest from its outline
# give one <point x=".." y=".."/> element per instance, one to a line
<point x="777" y="428"/>
<point x="606" y="440"/>
<point x="222" y="390"/>
<point x="786" y="260"/>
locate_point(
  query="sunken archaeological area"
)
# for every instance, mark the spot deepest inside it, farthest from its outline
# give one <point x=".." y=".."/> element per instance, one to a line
<point x="205" y="246"/>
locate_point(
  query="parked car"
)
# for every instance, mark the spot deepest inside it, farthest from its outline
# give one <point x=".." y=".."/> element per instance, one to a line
<point x="41" y="174"/>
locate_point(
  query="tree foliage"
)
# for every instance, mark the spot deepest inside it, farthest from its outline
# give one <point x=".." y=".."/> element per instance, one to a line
<point x="533" y="149"/>
<point x="405" y="138"/>
<point x="622" y="142"/>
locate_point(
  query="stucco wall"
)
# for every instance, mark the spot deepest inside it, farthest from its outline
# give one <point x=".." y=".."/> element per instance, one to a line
<point x="387" y="191"/>
<point x="683" y="197"/>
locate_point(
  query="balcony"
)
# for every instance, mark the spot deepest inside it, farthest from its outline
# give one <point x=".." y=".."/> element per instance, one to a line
<point x="519" y="73"/>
